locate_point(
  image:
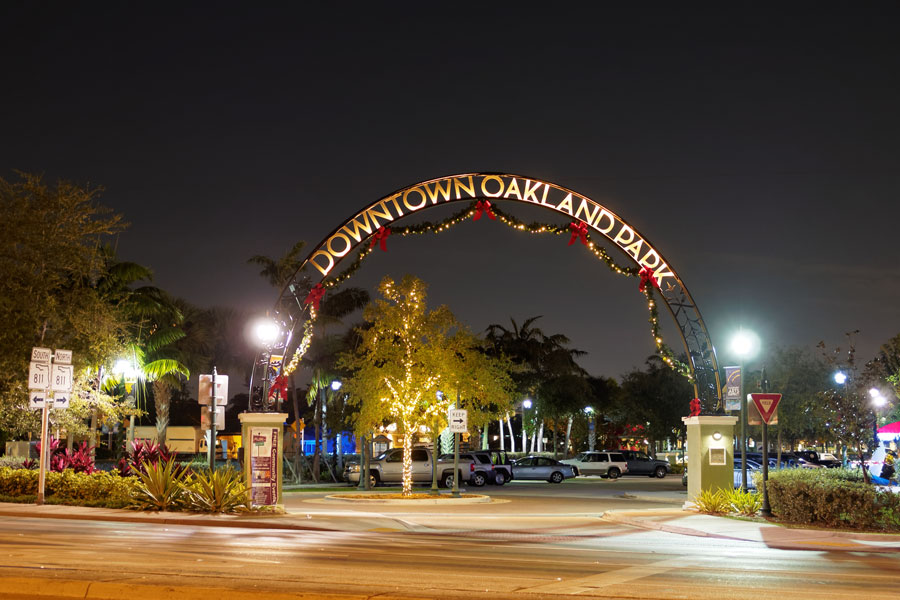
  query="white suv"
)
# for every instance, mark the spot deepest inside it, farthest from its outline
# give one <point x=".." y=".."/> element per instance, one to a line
<point x="605" y="464"/>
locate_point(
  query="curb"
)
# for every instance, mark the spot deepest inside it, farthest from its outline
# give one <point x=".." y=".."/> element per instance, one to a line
<point x="443" y="500"/>
<point x="100" y="590"/>
<point x="261" y="522"/>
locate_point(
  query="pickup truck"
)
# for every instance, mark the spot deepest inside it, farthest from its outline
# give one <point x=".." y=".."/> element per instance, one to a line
<point x="387" y="467"/>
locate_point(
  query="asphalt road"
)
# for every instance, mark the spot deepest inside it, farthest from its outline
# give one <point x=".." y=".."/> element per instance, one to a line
<point x="535" y="542"/>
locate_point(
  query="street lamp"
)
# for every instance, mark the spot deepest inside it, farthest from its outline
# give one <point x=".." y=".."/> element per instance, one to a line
<point x="128" y="374"/>
<point x="878" y="401"/>
<point x="840" y="378"/>
<point x="526" y="404"/>
<point x="592" y="433"/>
<point x="744" y="344"/>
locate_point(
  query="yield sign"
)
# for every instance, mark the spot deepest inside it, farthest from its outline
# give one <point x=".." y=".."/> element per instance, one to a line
<point x="766" y="405"/>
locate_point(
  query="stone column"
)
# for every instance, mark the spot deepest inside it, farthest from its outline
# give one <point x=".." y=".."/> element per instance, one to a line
<point x="710" y="443"/>
<point x="263" y="475"/>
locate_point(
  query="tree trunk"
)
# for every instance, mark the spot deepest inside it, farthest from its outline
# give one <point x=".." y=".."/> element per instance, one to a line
<point x="568" y="436"/>
<point x="502" y="436"/>
<point x="298" y="433"/>
<point x="512" y="435"/>
<point x="540" y="438"/>
<point x="162" y="396"/>
<point x="318" y="433"/>
<point x="407" y="459"/>
<point x="484" y="437"/>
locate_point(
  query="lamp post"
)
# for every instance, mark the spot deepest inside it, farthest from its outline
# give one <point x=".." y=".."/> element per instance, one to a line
<point x="526" y="404"/>
<point x="592" y="432"/>
<point x="267" y="332"/>
<point x="128" y="374"/>
<point x="878" y="401"/>
<point x="744" y="344"/>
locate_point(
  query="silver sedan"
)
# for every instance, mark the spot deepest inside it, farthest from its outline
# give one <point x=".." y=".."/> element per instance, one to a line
<point x="543" y="468"/>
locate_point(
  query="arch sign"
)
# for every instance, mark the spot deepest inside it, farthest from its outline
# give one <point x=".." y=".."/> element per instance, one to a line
<point x="374" y="222"/>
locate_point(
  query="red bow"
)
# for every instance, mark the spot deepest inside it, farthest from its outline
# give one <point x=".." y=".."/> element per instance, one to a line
<point x="279" y="385"/>
<point x="647" y="277"/>
<point x="380" y="236"/>
<point x="579" y="232"/>
<point x="482" y="207"/>
<point x="695" y="407"/>
<point x="315" y="296"/>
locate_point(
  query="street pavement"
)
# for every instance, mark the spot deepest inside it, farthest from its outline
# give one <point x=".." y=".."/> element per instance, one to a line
<point x="507" y="509"/>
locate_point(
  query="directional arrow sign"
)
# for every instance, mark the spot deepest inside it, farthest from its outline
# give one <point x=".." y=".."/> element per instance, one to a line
<point x="766" y="405"/>
<point x="458" y="418"/>
<point x="36" y="398"/>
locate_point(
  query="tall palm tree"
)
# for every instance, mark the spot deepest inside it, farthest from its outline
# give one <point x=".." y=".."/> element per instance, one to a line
<point x="545" y="365"/>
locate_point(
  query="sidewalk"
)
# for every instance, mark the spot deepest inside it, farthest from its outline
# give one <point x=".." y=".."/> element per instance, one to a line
<point x="686" y="522"/>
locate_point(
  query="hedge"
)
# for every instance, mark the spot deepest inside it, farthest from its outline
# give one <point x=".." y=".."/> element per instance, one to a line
<point x="835" y="498"/>
<point x="104" y="489"/>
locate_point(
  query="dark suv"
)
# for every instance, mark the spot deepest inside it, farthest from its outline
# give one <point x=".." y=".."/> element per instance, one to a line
<point x="481" y="467"/>
<point x="641" y="464"/>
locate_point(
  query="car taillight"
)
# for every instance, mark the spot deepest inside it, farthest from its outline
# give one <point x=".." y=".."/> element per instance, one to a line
<point x="471" y="467"/>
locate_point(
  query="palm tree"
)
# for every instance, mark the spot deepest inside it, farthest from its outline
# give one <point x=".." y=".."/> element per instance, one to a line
<point x="545" y="365"/>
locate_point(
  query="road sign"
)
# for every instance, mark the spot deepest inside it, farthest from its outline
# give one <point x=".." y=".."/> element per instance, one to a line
<point x="458" y="418"/>
<point x="221" y="390"/>
<point x="61" y="399"/>
<point x="204" y="419"/>
<point x="766" y="404"/>
<point x="63" y="357"/>
<point x="61" y="379"/>
<point x="41" y="355"/>
<point x="36" y="398"/>
<point x="39" y="376"/>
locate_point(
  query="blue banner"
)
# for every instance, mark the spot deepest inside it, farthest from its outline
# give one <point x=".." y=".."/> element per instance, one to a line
<point x="732" y="388"/>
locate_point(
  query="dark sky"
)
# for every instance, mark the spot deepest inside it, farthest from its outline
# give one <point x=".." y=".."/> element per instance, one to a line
<point x="757" y="145"/>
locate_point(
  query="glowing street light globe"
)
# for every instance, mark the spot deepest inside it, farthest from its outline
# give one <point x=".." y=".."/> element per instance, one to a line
<point x="266" y="331"/>
<point x="745" y="343"/>
<point x="336" y="385"/>
<point x="877" y="399"/>
<point x="840" y="378"/>
<point x="527" y="403"/>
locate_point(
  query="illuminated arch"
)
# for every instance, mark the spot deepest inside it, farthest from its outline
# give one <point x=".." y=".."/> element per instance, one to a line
<point x="354" y="237"/>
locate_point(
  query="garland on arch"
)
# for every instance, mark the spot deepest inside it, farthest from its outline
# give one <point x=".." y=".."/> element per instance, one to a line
<point x="577" y="231"/>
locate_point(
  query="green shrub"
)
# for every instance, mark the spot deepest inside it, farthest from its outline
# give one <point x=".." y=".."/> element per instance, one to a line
<point x="676" y="469"/>
<point x="713" y="502"/>
<point x="18" y="482"/>
<point x="100" y="488"/>
<point x="79" y="489"/>
<point x="744" y="503"/>
<point x="831" y="498"/>
<point x="222" y="490"/>
<point x="160" y="486"/>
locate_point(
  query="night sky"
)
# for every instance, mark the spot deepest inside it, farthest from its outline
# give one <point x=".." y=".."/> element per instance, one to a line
<point x="756" y="145"/>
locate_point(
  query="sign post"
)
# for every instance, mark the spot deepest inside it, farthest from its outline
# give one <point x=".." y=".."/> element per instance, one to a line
<point x="766" y="404"/>
<point x="458" y="419"/>
<point x="50" y="379"/>
<point x="214" y="392"/>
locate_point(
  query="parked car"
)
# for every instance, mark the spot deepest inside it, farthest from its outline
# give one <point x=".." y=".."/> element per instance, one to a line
<point x="641" y="464"/>
<point x="387" y="467"/>
<point x="502" y="466"/>
<point x="752" y="467"/>
<point x="603" y="463"/>
<point x="542" y="468"/>
<point x="481" y="468"/>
